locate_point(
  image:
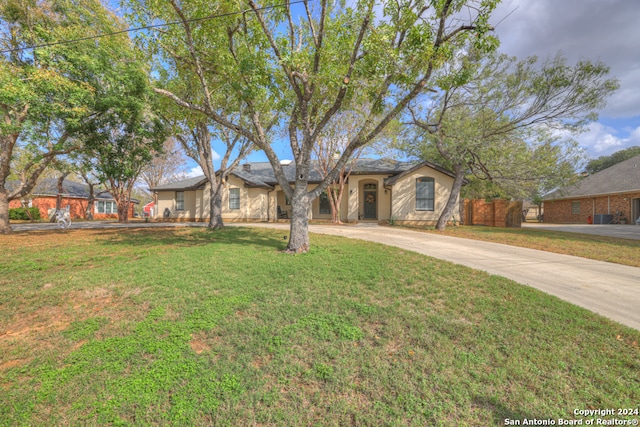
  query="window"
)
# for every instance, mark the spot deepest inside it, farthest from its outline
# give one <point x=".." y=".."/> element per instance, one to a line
<point x="179" y="200"/>
<point x="287" y="201"/>
<point x="234" y="198"/>
<point x="425" y="194"/>
<point x="575" y="208"/>
<point x="325" y="207"/>
<point x="104" y="207"/>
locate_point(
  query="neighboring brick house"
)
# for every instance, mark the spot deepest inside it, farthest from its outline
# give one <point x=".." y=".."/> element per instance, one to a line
<point x="611" y="194"/>
<point x="76" y="195"/>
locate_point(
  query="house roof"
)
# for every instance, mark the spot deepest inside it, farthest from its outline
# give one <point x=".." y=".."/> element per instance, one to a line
<point x="392" y="180"/>
<point x="48" y="187"/>
<point x="261" y="175"/>
<point x="184" y="184"/>
<point x="623" y="177"/>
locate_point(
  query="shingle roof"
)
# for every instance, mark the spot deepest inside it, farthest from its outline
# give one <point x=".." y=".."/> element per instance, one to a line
<point x="260" y="174"/>
<point x="49" y="187"/>
<point x="185" y="184"/>
<point x="623" y="177"/>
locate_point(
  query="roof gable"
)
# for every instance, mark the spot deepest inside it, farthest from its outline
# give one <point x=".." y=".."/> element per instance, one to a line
<point x="623" y="177"/>
<point x="393" y="180"/>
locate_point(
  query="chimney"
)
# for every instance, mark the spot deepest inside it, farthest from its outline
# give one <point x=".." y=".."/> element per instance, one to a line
<point x="246" y="167"/>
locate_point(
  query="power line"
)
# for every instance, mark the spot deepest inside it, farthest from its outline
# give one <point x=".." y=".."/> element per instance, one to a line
<point x="148" y="27"/>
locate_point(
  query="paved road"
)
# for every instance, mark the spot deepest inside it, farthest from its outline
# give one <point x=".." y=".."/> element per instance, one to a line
<point x="609" y="289"/>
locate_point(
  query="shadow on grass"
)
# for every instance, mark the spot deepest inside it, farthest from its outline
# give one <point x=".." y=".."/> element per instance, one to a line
<point x="185" y="237"/>
<point x="502" y="415"/>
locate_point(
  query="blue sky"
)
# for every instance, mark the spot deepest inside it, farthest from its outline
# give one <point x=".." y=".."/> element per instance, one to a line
<point x="604" y="30"/>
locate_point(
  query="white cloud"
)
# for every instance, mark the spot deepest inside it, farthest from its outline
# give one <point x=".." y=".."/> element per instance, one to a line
<point x="601" y="140"/>
<point x="194" y="171"/>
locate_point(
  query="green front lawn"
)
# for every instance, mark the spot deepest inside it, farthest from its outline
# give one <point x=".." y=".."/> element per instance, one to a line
<point x="192" y="327"/>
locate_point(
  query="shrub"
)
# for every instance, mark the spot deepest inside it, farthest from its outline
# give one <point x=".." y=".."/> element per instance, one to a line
<point x="23" y="214"/>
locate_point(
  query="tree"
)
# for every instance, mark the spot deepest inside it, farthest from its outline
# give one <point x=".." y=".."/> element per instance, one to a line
<point x="197" y="143"/>
<point x="120" y="144"/>
<point x="294" y="67"/>
<point x="327" y="151"/>
<point x="492" y="119"/>
<point x="37" y="95"/>
<point x="603" y="162"/>
<point x="166" y="165"/>
<point x="50" y="94"/>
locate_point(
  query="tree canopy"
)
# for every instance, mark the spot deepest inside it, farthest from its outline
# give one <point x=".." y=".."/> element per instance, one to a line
<point x="604" y="162"/>
<point x="496" y="119"/>
<point x="291" y="67"/>
<point x="51" y="96"/>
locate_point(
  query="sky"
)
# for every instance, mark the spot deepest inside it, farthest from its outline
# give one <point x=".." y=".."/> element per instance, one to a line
<point x="596" y="30"/>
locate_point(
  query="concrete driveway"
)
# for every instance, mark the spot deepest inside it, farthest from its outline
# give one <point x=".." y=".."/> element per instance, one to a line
<point x="609" y="289"/>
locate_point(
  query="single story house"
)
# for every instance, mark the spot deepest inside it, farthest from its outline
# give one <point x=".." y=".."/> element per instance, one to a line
<point x="612" y="194"/>
<point x="74" y="194"/>
<point x="377" y="190"/>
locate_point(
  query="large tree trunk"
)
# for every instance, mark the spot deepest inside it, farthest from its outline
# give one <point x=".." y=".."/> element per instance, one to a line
<point x="215" y="205"/>
<point x="90" y="203"/>
<point x="299" y="227"/>
<point x="5" y="228"/>
<point x="449" y="208"/>
<point x="123" y="209"/>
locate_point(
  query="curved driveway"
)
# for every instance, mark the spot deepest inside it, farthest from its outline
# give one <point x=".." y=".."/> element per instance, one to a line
<point x="611" y="290"/>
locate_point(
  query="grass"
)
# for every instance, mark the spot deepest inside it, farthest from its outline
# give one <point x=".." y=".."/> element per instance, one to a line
<point x="601" y="248"/>
<point x="192" y="327"/>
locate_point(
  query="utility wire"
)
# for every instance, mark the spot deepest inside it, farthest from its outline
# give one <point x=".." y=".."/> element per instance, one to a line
<point x="166" y="24"/>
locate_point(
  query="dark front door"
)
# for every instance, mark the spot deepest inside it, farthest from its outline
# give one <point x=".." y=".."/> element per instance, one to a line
<point x="370" y="202"/>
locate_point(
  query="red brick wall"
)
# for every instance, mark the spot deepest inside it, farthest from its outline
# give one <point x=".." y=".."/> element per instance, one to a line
<point x="77" y="207"/>
<point x="497" y="213"/>
<point x="559" y="211"/>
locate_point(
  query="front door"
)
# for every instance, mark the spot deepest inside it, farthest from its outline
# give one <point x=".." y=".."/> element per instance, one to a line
<point x="370" y="201"/>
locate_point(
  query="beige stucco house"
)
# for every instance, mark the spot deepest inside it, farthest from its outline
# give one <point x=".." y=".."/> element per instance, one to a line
<point x="377" y="190"/>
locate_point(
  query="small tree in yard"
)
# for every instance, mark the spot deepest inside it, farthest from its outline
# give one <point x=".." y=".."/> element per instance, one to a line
<point x="294" y="67"/>
<point x="118" y="153"/>
<point x="197" y="142"/>
<point x="165" y="165"/>
<point x="492" y="120"/>
<point x="327" y="152"/>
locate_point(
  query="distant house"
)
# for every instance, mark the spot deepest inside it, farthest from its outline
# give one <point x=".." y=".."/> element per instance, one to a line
<point x="609" y="195"/>
<point x="377" y="190"/>
<point x="76" y="195"/>
<point x="149" y="209"/>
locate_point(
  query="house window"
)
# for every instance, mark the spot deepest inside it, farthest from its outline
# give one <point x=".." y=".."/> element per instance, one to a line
<point x="179" y="200"/>
<point x="104" y="207"/>
<point x="234" y="198"/>
<point x="287" y="201"/>
<point x="425" y="194"/>
<point x="325" y="207"/>
<point x="575" y="208"/>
